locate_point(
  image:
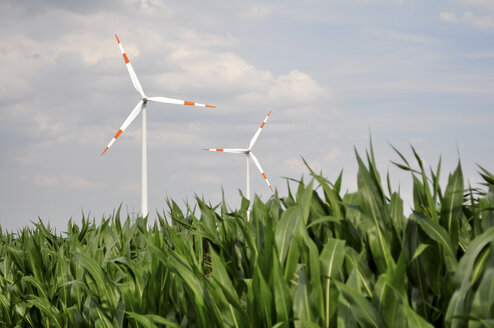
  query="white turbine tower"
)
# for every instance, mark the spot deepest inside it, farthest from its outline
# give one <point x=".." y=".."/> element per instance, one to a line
<point x="248" y="153"/>
<point x="141" y="106"/>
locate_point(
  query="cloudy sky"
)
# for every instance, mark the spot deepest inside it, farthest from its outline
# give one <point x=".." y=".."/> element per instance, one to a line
<point x="410" y="72"/>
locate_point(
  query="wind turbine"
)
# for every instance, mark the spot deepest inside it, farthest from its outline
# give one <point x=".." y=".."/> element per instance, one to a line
<point x="249" y="154"/>
<point x="141" y="107"/>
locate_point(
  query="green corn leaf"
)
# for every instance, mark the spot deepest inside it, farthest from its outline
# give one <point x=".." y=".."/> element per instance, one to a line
<point x="440" y="235"/>
<point x="306" y="324"/>
<point x="360" y="274"/>
<point x="284" y="230"/>
<point x="372" y="207"/>
<point x="303" y="308"/>
<point x="103" y="289"/>
<point x="483" y="301"/>
<point x="345" y="316"/>
<point x="223" y="283"/>
<point x="429" y="204"/>
<point x="292" y="261"/>
<point x="264" y="298"/>
<point x="46" y="308"/>
<point x="306" y="201"/>
<point x="37" y="284"/>
<point x="388" y="303"/>
<point x="331" y="194"/>
<point x="281" y="293"/>
<point x="418" y="251"/>
<point x="331" y="260"/>
<point x="471" y="263"/>
<point x="324" y="219"/>
<point x="396" y="212"/>
<point x="415" y="320"/>
<point x="365" y="313"/>
<point x="451" y="208"/>
<point x="390" y="294"/>
<point x="150" y="320"/>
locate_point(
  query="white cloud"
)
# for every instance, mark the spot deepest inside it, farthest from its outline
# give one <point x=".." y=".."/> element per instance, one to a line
<point x="448" y="16"/>
<point x="297" y="87"/>
<point x="24" y="49"/>
<point x="70" y="182"/>
<point x="296" y="165"/>
<point x="417" y="140"/>
<point x="483" y="21"/>
<point x="232" y="75"/>
<point x="131" y="186"/>
<point x="212" y="179"/>
<point x="256" y="11"/>
<point x="205" y="40"/>
<point x="203" y="67"/>
<point x="46" y="181"/>
<point x="481" y="4"/>
<point x="399" y="36"/>
<point x="333" y="155"/>
<point x="168" y="134"/>
<point x="45" y="125"/>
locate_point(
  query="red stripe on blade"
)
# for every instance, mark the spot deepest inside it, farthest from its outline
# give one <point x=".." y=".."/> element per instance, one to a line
<point x="262" y="125"/>
<point x="190" y="103"/>
<point x="210" y="106"/>
<point x="104" y="151"/>
<point x="219" y="149"/>
<point x="118" y="134"/>
<point x="117" y="38"/>
<point x="264" y="175"/>
<point x="125" y="58"/>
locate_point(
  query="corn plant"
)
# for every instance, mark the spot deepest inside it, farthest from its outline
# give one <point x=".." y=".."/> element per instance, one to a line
<point x="316" y="257"/>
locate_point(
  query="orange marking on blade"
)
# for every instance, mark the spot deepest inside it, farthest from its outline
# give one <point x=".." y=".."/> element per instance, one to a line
<point x="104" y="151"/>
<point x="262" y="125"/>
<point x="118" y="134"/>
<point x="219" y="149"/>
<point x="125" y="58"/>
<point x="117" y="38"/>
<point x="270" y="112"/>
<point x="190" y="103"/>
<point x="210" y="106"/>
<point x="264" y="175"/>
<point x="271" y="188"/>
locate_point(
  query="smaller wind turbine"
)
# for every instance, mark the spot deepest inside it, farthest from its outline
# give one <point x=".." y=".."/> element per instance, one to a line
<point x="141" y="108"/>
<point x="248" y="153"/>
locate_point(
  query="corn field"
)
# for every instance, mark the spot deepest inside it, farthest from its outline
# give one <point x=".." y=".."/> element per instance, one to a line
<point x="314" y="258"/>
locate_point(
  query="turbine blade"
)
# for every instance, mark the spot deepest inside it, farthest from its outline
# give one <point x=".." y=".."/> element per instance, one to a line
<point x="260" y="169"/>
<point x="177" y="101"/>
<point x="227" y="150"/>
<point x="132" y="74"/>
<point x="254" y="138"/>
<point x="137" y="109"/>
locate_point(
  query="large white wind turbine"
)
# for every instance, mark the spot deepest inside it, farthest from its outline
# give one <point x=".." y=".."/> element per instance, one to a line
<point x="248" y="153"/>
<point x="141" y="107"/>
